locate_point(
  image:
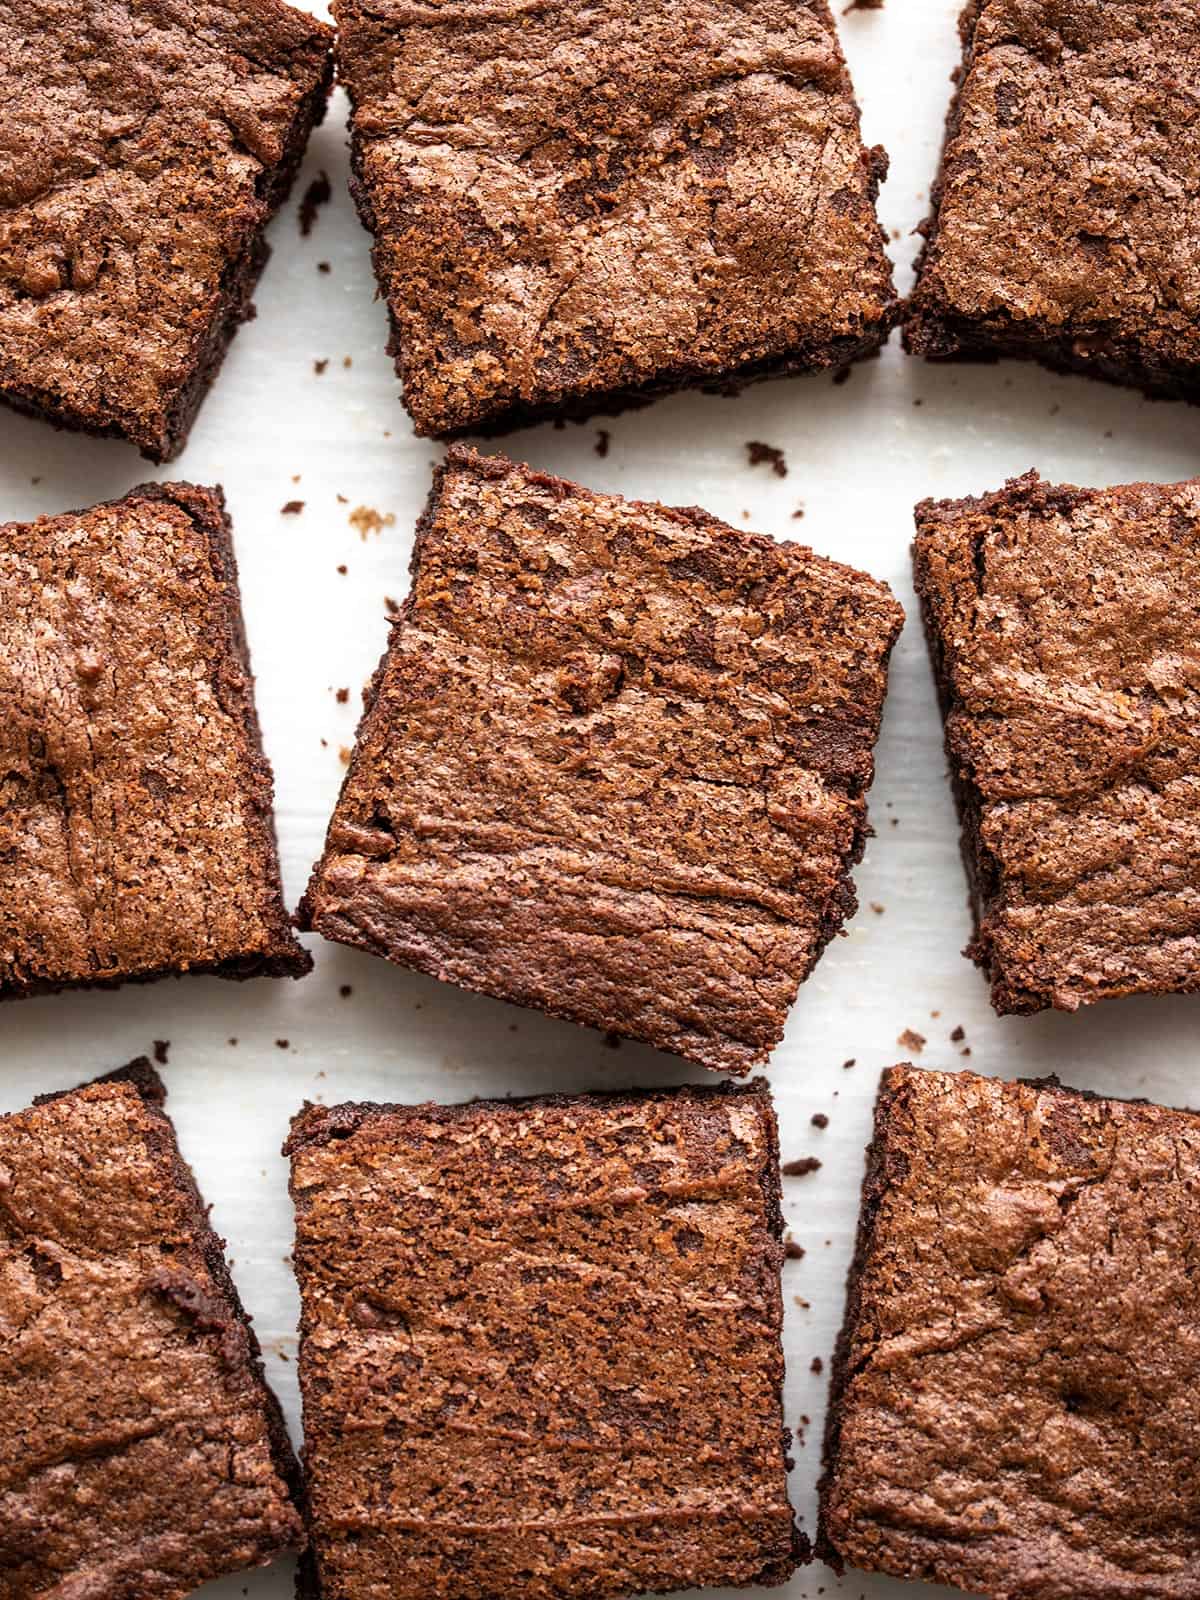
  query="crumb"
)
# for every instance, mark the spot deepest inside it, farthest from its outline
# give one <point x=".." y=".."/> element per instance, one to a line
<point x="895" y="234"/>
<point x="345" y="991"/>
<point x="602" y="438"/>
<point x="367" y="520"/>
<point x="232" y="1041"/>
<point x="341" y="696"/>
<point x="283" y="1356"/>
<point x="958" y="1034"/>
<point x="161" y="1046"/>
<point x="798" y="514"/>
<point x="841" y="376"/>
<point x="612" y="1040"/>
<point x="347" y="361"/>
<point x="291" y="508"/>
<point x="800" y="1168"/>
<point x="323" y="266"/>
<point x="792" y="1251"/>
<point x="816" y="1365"/>
<point x="877" y="908"/>
<point x="342" y="571"/>
<point x="35" y="480"/>
<point x="344" y="755"/>
<point x="770" y="453"/>
<point x="341" y="500"/>
<point x="282" y="1044"/>
<point x="918" y="402"/>
<point x="1055" y="409"/>
<point x="801" y="1302"/>
<point x="295" y="477"/>
<point x="390" y="606"/>
<point x="318" y="194"/>
<point x="324" y="744"/>
<point x="846" y="1065"/>
<point x="319" y="367"/>
<point x="910" y="1039"/>
<point x="966" y="1051"/>
<point x="819" y="1119"/>
<point x="935" y="1014"/>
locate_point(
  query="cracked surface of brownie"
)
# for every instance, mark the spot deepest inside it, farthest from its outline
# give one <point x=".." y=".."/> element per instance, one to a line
<point x="146" y="144"/>
<point x="540" y="1345"/>
<point x="141" y="1452"/>
<point x="613" y="764"/>
<point x="576" y="206"/>
<point x="1014" y="1406"/>
<point x="1062" y="624"/>
<point x="136" y="834"/>
<point x="1066" y="218"/>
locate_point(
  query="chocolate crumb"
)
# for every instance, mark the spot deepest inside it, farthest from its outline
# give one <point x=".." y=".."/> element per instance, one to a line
<point x="343" y="570"/>
<point x="602" y="438"/>
<point x="345" y="991"/>
<point x="770" y="453"/>
<point x="347" y="361"/>
<point x="318" y="194"/>
<point x="367" y="520"/>
<point x="846" y="1065"/>
<point x="958" y="1034"/>
<point x="323" y="266"/>
<point x="291" y="508"/>
<point x="341" y="696"/>
<point x="841" y="376"/>
<point x="819" y="1119"/>
<point x="800" y="1168"/>
<point x="319" y="367"/>
<point x="910" y="1039"/>
<point x="161" y="1046"/>
<point x="816" y="1365"/>
<point x="612" y="1040"/>
<point x="344" y="755"/>
<point x="391" y="606"/>
<point x="792" y="1251"/>
<point x="282" y="1044"/>
<point x="798" y="514"/>
<point x="877" y="908"/>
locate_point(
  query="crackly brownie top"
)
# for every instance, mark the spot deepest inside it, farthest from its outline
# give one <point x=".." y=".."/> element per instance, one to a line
<point x="541" y="1344"/>
<point x="135" y="827"/>
<point x="1066" y="625"/>
<point x="1070" y="193"/>
<point x="615" y="762"/>
<point x="578" y="199"/>
<point x="135" y="1448"/>
<point x="1022" y="1397"/>
<point x="135" y="164"/>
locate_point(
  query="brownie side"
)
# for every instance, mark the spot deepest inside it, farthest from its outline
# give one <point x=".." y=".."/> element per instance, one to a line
<point x="452" y="1251"/>
<point x="139" y="826"/>
<point x="574" y="213"/>
<point x="1065" y="224"/>
<point x="143" y="1451"/>
<point x="1007" y="1416"/>
<point x="613" y="765"/>
<point x="117" y="305"/>
<point x="1059" y="623"/>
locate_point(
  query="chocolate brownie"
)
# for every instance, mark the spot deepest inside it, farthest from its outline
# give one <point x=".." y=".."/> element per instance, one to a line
<point x="1015" y="1402"/>
<point x="1066" y="218"/>
<point x="136" y="836"/>
<point x="146" y="145"/>
<point x="574" y="207"/>
<point x="540" y="1346"/>
<point x="141" y="1452"/>
<point x="1062" y="623"/>
<point x="613" y="763"/>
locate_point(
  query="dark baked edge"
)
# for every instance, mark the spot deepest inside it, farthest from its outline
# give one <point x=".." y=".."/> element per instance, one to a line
<point x="933" y="329"/>
<point x="288" y="958"/>
<point x="163" y="1144"/>
<point x="315" y="1125"/>
<point x="234" y="306"/>
<point x="804" y="356"/>
<point x="730" y="1055"/>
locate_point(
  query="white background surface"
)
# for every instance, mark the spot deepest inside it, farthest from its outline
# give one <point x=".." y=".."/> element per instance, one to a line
<point x="859" y="456"/>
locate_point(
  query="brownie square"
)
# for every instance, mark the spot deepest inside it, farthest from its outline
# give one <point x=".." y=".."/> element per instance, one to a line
<point x="1066" y="217"/>
<point x="540" y="1346"/>
<point x="574" y="207"/>
<point x="136" y="836"/>
<point x="1062" y="623"/>
<point x="146" y="145"/>
<point x="613" y="763"/>
<point x="1014" y="1398"/>
<point x="141" y="1452"/>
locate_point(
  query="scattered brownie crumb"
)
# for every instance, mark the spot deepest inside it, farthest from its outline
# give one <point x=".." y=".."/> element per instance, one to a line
<point x="819" y="1119"/>
<point x="367" y="520"/>
<point x="816" y="1365"/>
<point x="918" y="402"/>
<point x="965" y="1051"/>
<point x="602" y="438"/>
<point x="770" y="453"/>
<point x="319" y="367"/>
<point x="161" y="1046"/>
<point x="323" y="266"/>
<point x="232" y="1041"/>
<point x="877" y="908"/>
<point x="792" y="1251"/>
<point x="318" y="194"/>
<point x="804" y="1304"/>
<point x="341" y="500"/>
<point x="958" y="1035"/>
<point x="291" y="508"/>
<point x="282" y="1044"/>
<point x="341" y="696"/>
<point x="347" y="361"/>
<point x="345" y="991"/>
<point x="390" y="606"/>
<point x="344" y="755"/>
<point x="798" y="514"/>
<point x="910" y="1039"/>
<point x="843" y="373"/>
<point x="800" y="1168"/>
<point x="343" y="570"/>
<point x="846" y="1065"/>
<point x="613" y="1040"/>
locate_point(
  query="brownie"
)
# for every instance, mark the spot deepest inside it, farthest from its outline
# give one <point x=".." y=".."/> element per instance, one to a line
<point x="574" y="207"/>
<point x="146" y="145"/>
<point x="141" y="1452"/>
<point x="1066" y="217"/>
<point x="613" y="763"/>
<point x="540" y="1346"/>
<point x="1062" y="623"/>
<point x="1014" y="1398"/>
<point x="136" y="836"/>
